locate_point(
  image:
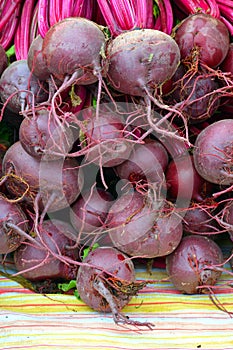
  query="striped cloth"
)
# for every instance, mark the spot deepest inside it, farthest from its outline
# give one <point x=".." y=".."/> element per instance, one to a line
<point x="54" y="321"/>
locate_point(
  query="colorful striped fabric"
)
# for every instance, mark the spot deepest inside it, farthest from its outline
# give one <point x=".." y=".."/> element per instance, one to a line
<point x="34" y="321"/>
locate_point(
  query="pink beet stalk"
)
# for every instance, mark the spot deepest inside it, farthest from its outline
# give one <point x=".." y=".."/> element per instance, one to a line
<point x="193" y="6"/>
<point x="55" y="12"/>
<point x="83" y="8"/>
<point x="144" y="13"/>
<point x="43" y="22"/>
<point x="122" y="15"/>
<point x="22" y="35"/>
<point x="34" y="24"/>
<point x="7" y="9"/>
<point x="227" y="12"/>
<point x="108" y="17"/>
<point x="164" y="21"/>
<point x="66" y="9"/>
<point x="214" y="9"/>
<point x="9" y="20"/>
<point x="228" y="24"/>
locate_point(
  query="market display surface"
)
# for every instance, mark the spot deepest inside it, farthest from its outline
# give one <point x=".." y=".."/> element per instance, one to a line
<point x="34" y="321"/>
<point x="116" y="139"/>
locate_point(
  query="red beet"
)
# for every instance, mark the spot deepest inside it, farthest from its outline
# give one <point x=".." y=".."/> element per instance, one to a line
<point x="108" y="284"/>
<point x="130" y="217"/>
<point x="227" y="64"/>
<point x="192" y="264"/>
<point x="147" y="162"/>
<point x="19" y="88"/>
<point x="74" y="45"/>
<point x="106" y="138"/>
<point x="184" y="181"/>
<point x="200" y="219"/>
<point x="149" y="239"/>
<point x="36" y="61"/>
<point x="202" y="36"/>
<point x="58" y="182"/>
<point x="37" y="263"/>
<point x="212" y="153"/>
<point x="12" y="220"/>
<point x="43" y="136"/>
<point x="89" y="211"/>
<point x="141" y="58"/>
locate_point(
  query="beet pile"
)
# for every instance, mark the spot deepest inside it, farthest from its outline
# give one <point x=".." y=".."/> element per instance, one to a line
<point x="116" y="144"/>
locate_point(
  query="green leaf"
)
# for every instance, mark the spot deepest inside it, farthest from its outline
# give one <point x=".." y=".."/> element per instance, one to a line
<point x="156" y="9"/>
<point x="82" y="138"/>
<point x="75" y="99"/>
<point x="94" y="102"/>
<point x="65" y="287"/>
<point x="151" y="55"/>
<point x="87" y="250"/>
<point x="76" y="294"/>
<point x="106" y="32"/>
<point x="10" y="53"/>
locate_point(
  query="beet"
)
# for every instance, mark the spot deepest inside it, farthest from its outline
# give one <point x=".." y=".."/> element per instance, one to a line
<point x="192" y="264"/>
<point x="141" y="226"/>
<point x="106" y="138"/>
<point x="198" y="95"/>
<point x="12" y="219"/>
<point x="227" y="64"/>
<point x="74" y="45"/>
<point x="89" y="211"/>
<point x="228" y="218"/>
<point x="43" y="136"/>
<point x="36" y="61"/>
<point x="108" y="284"/>
<point x="204" y="37"/>
<point x="141" y="58"/>
<point x="111" y="261"/>
<point x="58" y="182"/>
<point x="37" y="263"/>
<point x="200" y="219"/>
<point x="130" y="217"/>
<point x="184" y="181"/>
<point x="147" y="162"/>
<point x="19" y="88"/>
<point x="212" y="153"/>
<point x="161" y="240"/>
